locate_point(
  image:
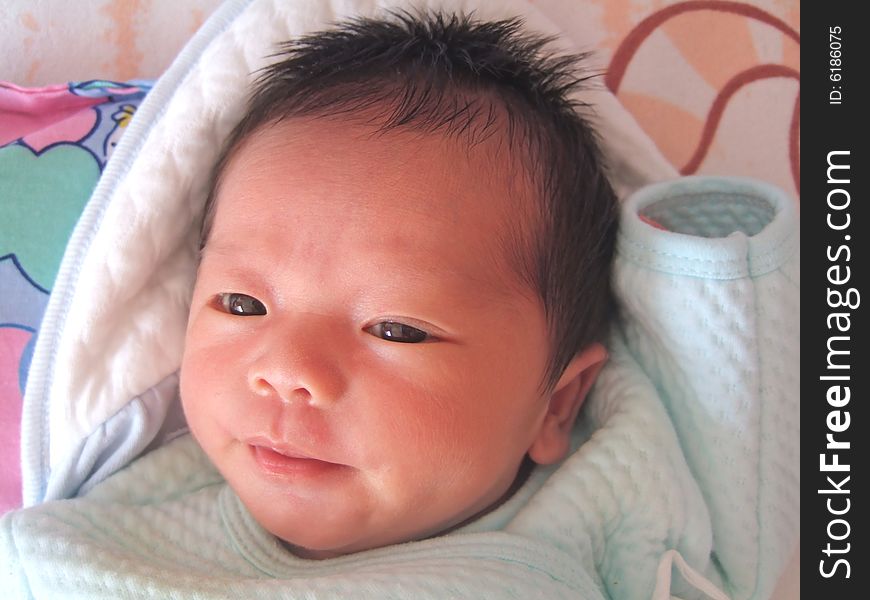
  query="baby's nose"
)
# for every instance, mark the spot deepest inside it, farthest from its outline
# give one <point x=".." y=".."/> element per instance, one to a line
<point x="298" y="366"/>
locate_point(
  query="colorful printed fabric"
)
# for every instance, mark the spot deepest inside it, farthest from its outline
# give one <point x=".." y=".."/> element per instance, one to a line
<point x="716" y="85"/>
<point x="54" y="143"/>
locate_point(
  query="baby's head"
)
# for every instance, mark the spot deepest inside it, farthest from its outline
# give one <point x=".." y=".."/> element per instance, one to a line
<point x="404" y="281"/>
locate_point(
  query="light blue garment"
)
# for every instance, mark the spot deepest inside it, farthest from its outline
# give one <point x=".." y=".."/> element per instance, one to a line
<point x="688" y="443"/>
<point x="168" y="525"/>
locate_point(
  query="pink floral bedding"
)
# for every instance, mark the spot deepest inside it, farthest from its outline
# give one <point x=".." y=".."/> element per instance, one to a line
<point x="54" y="142"/>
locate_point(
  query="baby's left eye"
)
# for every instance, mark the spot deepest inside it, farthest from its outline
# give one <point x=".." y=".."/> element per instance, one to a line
<point x="393" y="331"/>
<point x="241" y="304"/>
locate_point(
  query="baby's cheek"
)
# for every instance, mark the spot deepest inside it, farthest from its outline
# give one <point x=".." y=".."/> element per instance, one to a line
<point x="198" y="375"/>
<point x="445" y="432"/>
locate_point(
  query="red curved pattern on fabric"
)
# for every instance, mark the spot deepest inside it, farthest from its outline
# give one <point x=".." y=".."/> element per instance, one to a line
<point x="721" y="101"/>
<point x="629" y="46"/>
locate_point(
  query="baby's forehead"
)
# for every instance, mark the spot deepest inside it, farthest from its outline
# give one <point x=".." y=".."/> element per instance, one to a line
<point x="401" y="192"/>
<point x="454" y="172"/>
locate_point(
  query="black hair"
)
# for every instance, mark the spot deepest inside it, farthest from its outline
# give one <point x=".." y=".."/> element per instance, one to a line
<point x="455" y="75"/>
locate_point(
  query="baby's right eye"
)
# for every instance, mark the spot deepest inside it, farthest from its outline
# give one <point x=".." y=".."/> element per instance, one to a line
<point x="241" y="304"/>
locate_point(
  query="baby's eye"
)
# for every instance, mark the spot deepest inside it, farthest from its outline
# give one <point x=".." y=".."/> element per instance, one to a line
<point x="241" y="304"/>
<point x="393" y="331"/>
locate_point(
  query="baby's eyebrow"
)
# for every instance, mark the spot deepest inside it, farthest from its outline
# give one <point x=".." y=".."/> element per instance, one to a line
<point x="221" y="249"/>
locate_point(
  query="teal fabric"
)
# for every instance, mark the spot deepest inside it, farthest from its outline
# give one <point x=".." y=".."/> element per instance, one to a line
<point x="167" y="526"/>
<point x="713" y="319"/>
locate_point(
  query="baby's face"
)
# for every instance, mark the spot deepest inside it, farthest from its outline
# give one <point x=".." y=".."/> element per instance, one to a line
<point x="361" y="364"/>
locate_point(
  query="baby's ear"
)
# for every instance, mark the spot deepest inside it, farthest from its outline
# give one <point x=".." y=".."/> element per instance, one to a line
<point x="554" y="437"/>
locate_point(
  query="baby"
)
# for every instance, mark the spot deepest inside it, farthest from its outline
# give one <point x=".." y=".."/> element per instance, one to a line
<point x="399" y="311"/>
<point x="404" y="281"/>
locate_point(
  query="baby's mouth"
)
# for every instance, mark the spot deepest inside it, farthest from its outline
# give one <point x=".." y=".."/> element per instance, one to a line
<point x="284" y="461"/>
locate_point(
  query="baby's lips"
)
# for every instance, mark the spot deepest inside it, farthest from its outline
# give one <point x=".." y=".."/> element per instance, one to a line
<point x="284" y="449"/>
<point x="290" y="464"/>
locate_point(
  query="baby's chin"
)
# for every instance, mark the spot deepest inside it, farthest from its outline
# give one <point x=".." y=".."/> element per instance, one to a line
<point x="322" y="544"/>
